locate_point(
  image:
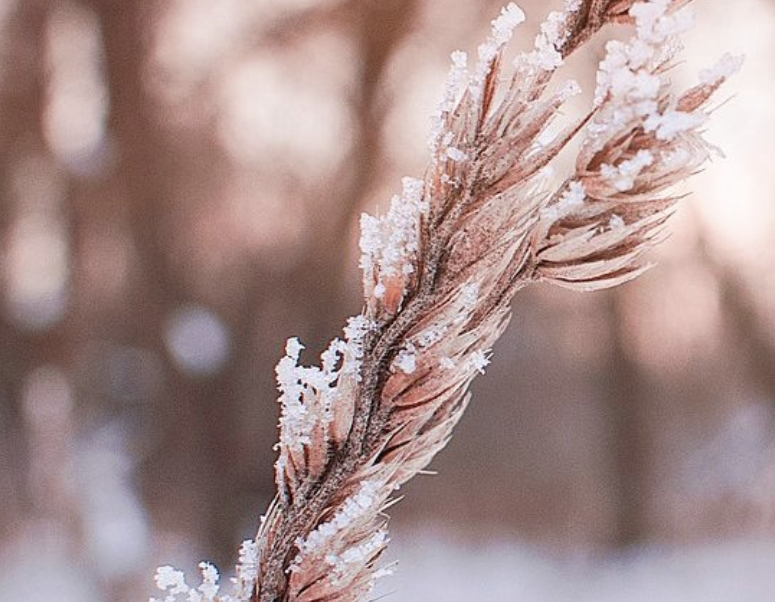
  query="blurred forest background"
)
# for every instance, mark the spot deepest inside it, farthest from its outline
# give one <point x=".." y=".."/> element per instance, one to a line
<point x="180" y="185"/>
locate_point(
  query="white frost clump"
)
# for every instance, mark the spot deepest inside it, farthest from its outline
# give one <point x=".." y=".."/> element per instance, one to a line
<point x="246" y="571"/>
<point x="504" y="24"/>
<point x="616" y="222"/>
<point x="502" y="30"/>
<point x="455" y="154"/>
<point x="676" y="159"/>
<point x="447" y="363"/>
<point x="457" y="82"/>
<point x="571" y="199"/>
<point x="479" y="361"/>
<point x="173" y="581"/>
<point x="470" y="295"/>
<point x="656" y="26"/>
<point x="307" y="394"/>
<point x="430" y="336"/>
<point x="726" y="66"/>
<point x="626" y="71"/>
<point x="389" y="244"/>
<point x="406" y="360"/>
<point x="546" y="56"/>
<point x="670" y="123"/>
<point x="356" y="507"/>
<point x="355" y="556"/>
<point x="296" y="419"/>
<point x="623" y="175"/>
<point x="628" y="86"/>
<point x="356" y="330"/>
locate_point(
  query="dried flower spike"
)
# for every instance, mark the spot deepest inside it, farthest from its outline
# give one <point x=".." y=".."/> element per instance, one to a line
<point x="440" y="269"/>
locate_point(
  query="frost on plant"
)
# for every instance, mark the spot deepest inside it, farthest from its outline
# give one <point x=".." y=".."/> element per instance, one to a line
<point x="442" y="265"/>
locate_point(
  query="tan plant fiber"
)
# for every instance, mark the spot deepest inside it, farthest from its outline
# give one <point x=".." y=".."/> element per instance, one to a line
<point x="440" y="270"/>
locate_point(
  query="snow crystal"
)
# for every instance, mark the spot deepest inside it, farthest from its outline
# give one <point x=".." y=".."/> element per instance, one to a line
<point x="446" y="363"/>
<point x="503" y="26"/>
<point x="572" y="198"/>
<point x="209" y="586"/>
<point x="355" y="332"/>
<point x="670" y="123"/>
<point x="293" y="348"/>
<point x="406" y="361"/>
<point x="295" y="419"/>
<point x="628" y="87"/>
<point x="430" y="336"/>
<point x="676" y="159"/>
<point x="455" y="154"/>
<point x="479" y="361"/>
<point x="617" y="77"/>
<point x="173" y="582"/>
<point x="457" y="82"/>
<point x="170" y="579"/>
<point x="623" y="175"/>
<point x="726" y="66"/>
<point x="389" y="243"/>
<point x="370" y="241"/>
<point x="354" y="508"/>
<point x="546" y="55"/>
<point x="625" y="72"/>
<point x="616" y="222"/>
<point x="356" y="555"/>
<point x="502" y="30"/>
<point x="330" y="359"/>
<point x="246" y="571"/>
<point x="470" y="295"/>
<point x="655" y="25"/>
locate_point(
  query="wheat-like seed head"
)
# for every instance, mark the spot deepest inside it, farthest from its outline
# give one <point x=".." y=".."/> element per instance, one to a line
<point x="442" y="265"/>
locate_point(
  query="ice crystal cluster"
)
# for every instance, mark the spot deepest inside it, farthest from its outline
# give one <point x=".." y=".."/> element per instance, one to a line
<point x="440" y="269"/>
<point x="173" y="582"/>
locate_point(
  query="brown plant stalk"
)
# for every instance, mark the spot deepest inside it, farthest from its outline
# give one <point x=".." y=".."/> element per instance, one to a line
<point x="441" y="268"/>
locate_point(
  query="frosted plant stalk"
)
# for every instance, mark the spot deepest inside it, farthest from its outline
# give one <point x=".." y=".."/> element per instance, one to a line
<point x="441" y="267"/>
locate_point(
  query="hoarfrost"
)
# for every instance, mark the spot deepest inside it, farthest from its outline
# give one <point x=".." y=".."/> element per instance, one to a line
<point x="572" y="198"/>
<point x="623" y="175"/>
<point x="406" y="361"/>
<point x="726" y="66"/>
<point x="355" y="508"/>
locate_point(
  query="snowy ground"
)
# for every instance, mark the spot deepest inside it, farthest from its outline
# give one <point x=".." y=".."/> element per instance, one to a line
<point x="439" y="568"/>
<point x="431" y="568"/>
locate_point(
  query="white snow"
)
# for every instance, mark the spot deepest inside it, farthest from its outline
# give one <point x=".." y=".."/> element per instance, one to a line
<point x="670" y="123"/>
<point x="616" y="222"/>
<point x="726" y="66"/>
<point x="573" y="197"/>
<point x="479" y="361"/>
<point x="406" y="361"/>
<point x="624" y="174"/>
<point x="173" y="581"/>
<point x="455" y="154"/>
<point x="502" y="30"/>
<point x="509" y="570"/>
<point x="356" y="556"/>
<point x="355" y="508"/>
<point x="457" y="82"/>
<point x="470" y="295"/>
<point x="390" y="243"/>
<point x="546" y="55"/>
